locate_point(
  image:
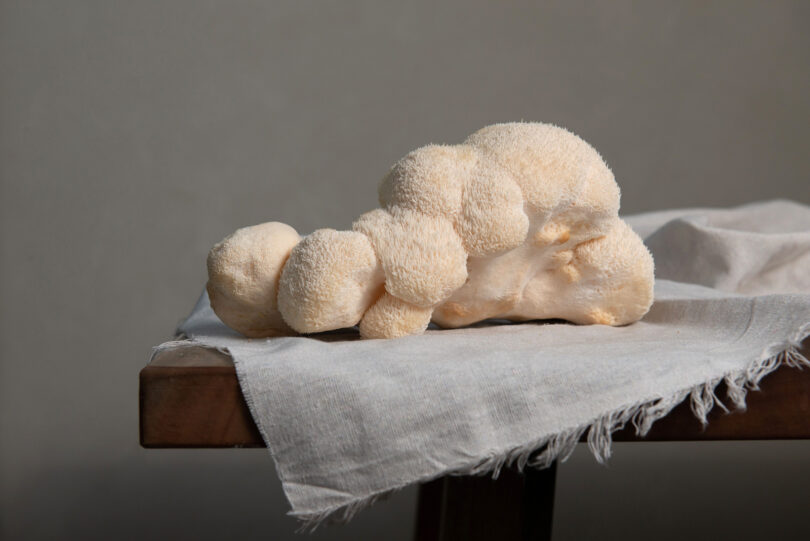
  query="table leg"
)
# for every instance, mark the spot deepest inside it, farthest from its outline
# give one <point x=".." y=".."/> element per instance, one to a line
<point x="516" y="506"/>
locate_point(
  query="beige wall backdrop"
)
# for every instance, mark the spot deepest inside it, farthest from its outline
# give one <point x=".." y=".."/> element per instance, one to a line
<point x="134" y="135"/>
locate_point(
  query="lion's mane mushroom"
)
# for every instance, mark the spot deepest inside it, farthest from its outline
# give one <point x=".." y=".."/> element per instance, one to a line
<point x="519" y="222"/>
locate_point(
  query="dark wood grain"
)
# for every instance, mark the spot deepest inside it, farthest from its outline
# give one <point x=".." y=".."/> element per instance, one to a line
<point x="190" y="397"/>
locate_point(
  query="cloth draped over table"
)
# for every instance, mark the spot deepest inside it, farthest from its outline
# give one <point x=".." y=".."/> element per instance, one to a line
<point x="349" y="420"/>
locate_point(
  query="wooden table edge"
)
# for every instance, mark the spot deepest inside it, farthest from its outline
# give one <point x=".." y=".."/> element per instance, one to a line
<point x="189" y="397"/>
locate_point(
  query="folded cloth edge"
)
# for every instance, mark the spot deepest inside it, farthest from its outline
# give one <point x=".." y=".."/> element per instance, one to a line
<point x="543" y="451"/>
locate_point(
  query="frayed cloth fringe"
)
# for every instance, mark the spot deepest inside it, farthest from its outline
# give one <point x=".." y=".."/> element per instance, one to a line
<point x="542" y="452"/>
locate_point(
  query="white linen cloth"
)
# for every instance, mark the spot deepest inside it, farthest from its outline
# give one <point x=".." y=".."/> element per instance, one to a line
<point x="348" y="420"/>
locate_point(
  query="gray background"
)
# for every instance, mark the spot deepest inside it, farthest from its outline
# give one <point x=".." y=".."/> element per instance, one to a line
<point x="134" y="135"/>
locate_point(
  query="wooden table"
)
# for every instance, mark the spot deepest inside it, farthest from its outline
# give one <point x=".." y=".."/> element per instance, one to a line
<point x="190" y="397"/>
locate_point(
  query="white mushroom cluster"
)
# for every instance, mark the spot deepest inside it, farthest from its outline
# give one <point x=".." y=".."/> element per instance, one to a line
<point x="519" y="222"/>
